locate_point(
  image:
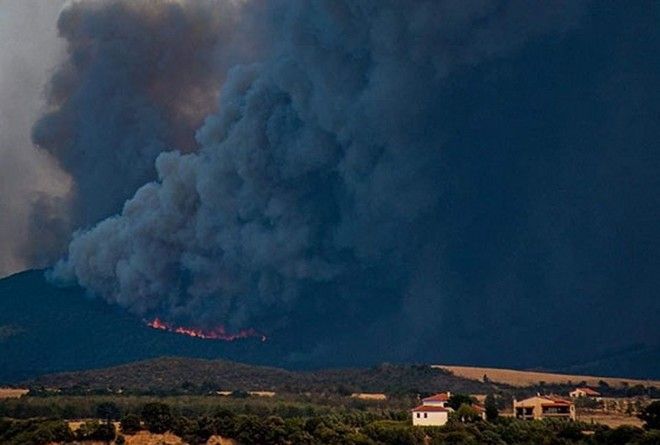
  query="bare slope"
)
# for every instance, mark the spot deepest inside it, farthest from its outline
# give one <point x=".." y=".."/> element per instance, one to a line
<point x="526" y="378"/>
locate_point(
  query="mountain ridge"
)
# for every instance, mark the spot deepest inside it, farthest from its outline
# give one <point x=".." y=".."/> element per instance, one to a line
<point x="46" y="329"/>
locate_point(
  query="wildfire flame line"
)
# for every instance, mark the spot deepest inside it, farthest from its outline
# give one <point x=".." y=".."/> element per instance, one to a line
<point x="218" y="333"/>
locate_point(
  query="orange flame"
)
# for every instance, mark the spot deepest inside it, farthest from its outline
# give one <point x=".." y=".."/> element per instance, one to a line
<point x="218" y="333"/>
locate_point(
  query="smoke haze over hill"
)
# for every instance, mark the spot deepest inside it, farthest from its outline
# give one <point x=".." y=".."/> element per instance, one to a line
<point x="402" y="180"/>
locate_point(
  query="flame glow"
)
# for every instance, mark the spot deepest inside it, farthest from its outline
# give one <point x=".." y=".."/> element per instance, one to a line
<point x="218" y="333"/>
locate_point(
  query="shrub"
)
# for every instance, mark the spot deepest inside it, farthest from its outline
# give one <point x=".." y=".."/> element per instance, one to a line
<point x="157" y="417"/>
<point x="130" y="424"/>
<point x="651" y="415"/>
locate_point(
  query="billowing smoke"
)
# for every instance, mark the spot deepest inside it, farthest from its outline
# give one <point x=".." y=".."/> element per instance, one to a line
<point x="364" y="180"/>
<point x="319" y="185"/>
<point x="139" y="78"/>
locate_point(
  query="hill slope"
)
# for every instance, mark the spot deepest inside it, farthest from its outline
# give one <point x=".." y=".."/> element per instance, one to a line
<point x="168" y="374"/>
<point x="526" y="378"/>
<point x="45" y="329"/>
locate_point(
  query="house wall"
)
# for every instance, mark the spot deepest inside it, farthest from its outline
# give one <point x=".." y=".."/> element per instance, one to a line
<point x="432" y="419"/>
<point x="435" y="403"/>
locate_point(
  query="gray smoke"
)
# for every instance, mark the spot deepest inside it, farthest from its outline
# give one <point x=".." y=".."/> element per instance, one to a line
<point x="138" y="80"/>
<point x="318" y="183"/>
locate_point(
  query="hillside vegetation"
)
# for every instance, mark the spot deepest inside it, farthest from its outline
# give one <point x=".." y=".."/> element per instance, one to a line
<point x="171" y="374"/>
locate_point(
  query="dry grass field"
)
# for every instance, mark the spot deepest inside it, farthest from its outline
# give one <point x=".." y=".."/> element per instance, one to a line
<point x="12" y="393"/>
<point x="526" y="378"/>
<point x="147" y="438"/>
<point x="612" y="420"/>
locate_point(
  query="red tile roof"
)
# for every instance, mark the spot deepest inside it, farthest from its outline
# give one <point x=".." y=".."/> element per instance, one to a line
<point x="588" y="391"/>
<point x="442" y="397"/>
<point x="553" y="401"/>
<point x="429" y="408"/>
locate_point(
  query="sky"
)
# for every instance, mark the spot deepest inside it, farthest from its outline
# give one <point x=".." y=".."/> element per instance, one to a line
<point x="29" y="51"/>
<point x="474" y="181"/>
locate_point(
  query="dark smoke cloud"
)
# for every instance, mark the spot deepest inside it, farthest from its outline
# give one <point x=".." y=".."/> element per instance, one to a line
<point x="320" y="186"/>
<point x="139" y="78"/>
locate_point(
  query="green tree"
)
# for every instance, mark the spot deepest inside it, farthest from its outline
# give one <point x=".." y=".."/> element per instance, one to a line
<point x="224" y="423"/>
<point x="389" y="432"/>
<point x="625" y="434"/>
<point x="108" y="411"/>
<point x="458" y="437"/>
<point x="456" y="400"/>
<point x="87" y="429"/>
<point x="130" y="424"/>
<point x="491" y="407"/>
<point x="240" y="394"/>
<point x="651" y="416"/>
<point x="466" y="413"/>
<point x="187" y="429"/>
<point x="157" y="417"/>
<point x="95" y="430"/>
<point x="105" y="432"/>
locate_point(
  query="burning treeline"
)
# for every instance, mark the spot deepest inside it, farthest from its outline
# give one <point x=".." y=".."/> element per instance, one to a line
<point x="218" y="333"/>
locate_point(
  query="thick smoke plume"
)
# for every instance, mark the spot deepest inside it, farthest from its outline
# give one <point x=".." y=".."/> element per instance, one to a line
<point x="139" y="79"/>
<point x="318" y="186"/>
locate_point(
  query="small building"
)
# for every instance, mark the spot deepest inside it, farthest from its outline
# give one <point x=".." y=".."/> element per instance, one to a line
<point x="480" y="409"/>
<point x="369" y="396"/>
<point x="544" y="407"/>
<point x="434" y="410"/>
<point x="430" y="415"/>
<point x="583" y="392"/>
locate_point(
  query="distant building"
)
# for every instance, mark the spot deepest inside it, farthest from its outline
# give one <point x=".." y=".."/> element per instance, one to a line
<point x="544" y="407"/>
<point x="479" y="408"/>
<point x="428" y="415"/>
<point x="583" y="392"/>
<point x="434" y="410"/>
<point x="369" y="396"/>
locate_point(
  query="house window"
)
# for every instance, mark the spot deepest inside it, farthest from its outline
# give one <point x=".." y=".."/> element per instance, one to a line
<point x="425" y="415"/>
<point x="418" y="415"/>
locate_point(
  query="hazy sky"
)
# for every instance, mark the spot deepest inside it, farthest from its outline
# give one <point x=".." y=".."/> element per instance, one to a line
<point x="29" y="50"/>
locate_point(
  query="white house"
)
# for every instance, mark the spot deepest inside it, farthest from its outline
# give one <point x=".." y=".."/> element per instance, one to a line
<point x="583" y="392"/>
<point x="434" y="411"/>
<point x="425" y="415"/>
